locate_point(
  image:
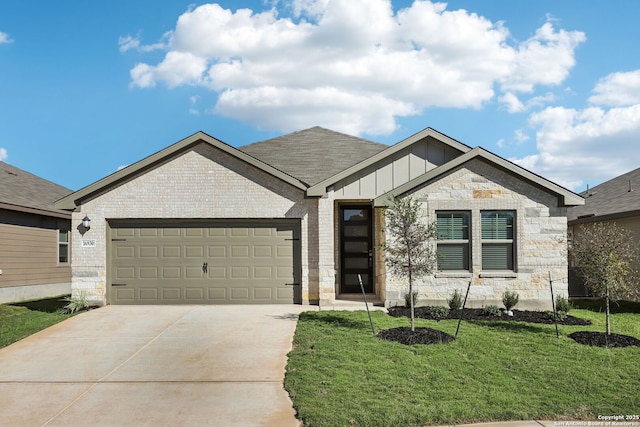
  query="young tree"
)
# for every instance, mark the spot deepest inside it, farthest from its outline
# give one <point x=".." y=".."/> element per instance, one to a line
<point x="603" y="255"/>
<point x="408" y="251"/>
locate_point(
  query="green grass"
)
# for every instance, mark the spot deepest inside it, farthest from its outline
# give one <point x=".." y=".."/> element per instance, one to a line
<point x="18" y="321"/>
<point x="340" y="375"/>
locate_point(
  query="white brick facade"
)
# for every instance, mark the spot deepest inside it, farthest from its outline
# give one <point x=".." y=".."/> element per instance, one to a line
<point x="205" y="183"/>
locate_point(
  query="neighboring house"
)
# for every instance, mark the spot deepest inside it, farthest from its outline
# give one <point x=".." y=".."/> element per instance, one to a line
<point x="34" y="237"/>
<point x="615" y="201"/>
<point x="297" y="218"/>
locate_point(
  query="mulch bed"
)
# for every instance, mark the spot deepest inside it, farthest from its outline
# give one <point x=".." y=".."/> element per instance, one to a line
<point x="479" y="314"/>
<point x="601" y="339"/>
<point x="404" y="335"/>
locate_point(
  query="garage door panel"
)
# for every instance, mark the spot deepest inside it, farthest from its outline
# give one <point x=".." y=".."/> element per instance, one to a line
<point x="217" y="294"/>
<point x="148" y="252"/>
<point x="164" y="263"/>
<point x="170" y="294"/>
<point x="171" y="273"/>
<point x="148" y="272"/>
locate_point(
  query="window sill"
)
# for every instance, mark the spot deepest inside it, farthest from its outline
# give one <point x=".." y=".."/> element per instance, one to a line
<point x="454" y="274"/>
<point x="499" y="274"/>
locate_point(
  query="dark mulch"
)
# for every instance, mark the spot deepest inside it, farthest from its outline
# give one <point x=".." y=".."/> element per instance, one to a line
<point x="479" y="314"/>
<point x="404" y="335"/>
<point x="601" y="339"/>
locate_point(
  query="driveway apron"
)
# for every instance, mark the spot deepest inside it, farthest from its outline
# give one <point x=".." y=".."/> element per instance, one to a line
<point x="153" y="365"/>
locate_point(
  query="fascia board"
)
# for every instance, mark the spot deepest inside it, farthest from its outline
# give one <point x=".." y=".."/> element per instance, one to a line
<point x="75" y="199"/>
<point x="566" y="197"/>
<point x="320" y="189"/>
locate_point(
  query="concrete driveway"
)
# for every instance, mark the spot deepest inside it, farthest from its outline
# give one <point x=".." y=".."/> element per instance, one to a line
<point x="153" y="365"/>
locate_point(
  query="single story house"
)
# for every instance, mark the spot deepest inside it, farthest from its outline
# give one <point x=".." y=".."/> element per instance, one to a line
<point x="614" y="201"/>
<point x="34" y="237"/>
<point x="298" y="218"/>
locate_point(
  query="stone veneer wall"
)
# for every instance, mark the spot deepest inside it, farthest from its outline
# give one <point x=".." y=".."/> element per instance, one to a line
<point x="540" y="240"/>
<point x="204" y="183"/>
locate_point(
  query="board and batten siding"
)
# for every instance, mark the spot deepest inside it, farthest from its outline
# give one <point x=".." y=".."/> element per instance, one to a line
<point x="389" y="173"/>
<point x="29" y="250"/>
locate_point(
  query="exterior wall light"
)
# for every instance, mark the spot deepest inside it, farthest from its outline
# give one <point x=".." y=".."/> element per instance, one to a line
<point x="86" y="223"/>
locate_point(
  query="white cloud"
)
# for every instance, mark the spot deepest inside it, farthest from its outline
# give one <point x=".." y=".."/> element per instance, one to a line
<point x="3" y="154"/>
<point x="515" y="105"/>
<point x="351" y="65"/>
<point x="544" y="59"/>
<point x="126" y="43"/>
<point x="129" y="42"/>
<point x="617" y="90"/>
<point x="590" y="145"/>
<point x="5" y="39"/>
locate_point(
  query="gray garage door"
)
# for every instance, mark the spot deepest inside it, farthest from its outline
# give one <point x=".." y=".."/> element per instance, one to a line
<point x="233" y="262"/>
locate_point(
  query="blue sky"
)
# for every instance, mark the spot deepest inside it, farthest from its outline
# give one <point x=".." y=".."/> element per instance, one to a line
<point x="88" y="87"/>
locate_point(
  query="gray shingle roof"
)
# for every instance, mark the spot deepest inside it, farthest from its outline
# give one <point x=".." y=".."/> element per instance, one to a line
<point x="24" y="190"/>
<point x="314" y="154"/>
<point x="611" y="198"/>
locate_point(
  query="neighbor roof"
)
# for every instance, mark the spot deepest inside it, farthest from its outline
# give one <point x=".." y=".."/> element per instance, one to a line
<point x="314" y="154"/>
<point x="565" y="197"/>
<point x="616" y="198"/>
<point x="25" y="192"/>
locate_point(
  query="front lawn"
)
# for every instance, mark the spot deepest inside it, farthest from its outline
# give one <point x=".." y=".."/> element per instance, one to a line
<point x="340" y="375"/>
<point x="18" y="321"/>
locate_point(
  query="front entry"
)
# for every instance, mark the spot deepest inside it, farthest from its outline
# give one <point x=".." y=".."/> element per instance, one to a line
<point x="356" y="248"/>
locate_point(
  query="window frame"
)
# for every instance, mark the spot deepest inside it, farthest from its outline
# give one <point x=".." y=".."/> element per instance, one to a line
<point x="510" y="261"/>
<point x="467" y="263"/>
<point x="63" y="229"/>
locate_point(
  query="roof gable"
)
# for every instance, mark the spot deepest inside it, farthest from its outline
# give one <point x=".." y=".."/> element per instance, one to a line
<point x="23" y="191"/>
<point x="320" y="188"/>
<point x="314" y="154"/>
<point x="75" y="199"/>
<point x="614" y="198"/>
<point x="565" y="197"/>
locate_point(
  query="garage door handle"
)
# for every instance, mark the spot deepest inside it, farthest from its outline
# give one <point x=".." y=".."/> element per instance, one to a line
<point x="118" y="284"/>
<point x="205" y="267"/>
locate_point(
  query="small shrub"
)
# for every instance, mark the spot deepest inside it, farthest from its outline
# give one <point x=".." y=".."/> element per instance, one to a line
<point x="510" y="299"/>
<point x="562" y="304"/>
<point x="76" y="302"/>
<point x="491" y="310"/>
<point x="558" y="315"/>
<point x="407" y="301"/>
<point x="455" y="302"/>
<point x="438" y="312"/>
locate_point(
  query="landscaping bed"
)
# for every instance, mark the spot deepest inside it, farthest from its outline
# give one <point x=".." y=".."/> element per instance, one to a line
<point x="544" y="317"/>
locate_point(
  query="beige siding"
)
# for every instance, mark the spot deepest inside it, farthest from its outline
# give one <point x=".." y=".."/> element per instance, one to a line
<point x="390" y="173"/>
<point x="29" y="250"/>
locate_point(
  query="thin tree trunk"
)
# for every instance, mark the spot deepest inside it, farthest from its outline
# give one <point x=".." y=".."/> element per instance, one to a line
<point x="608" y="313"/>
<point x="411" y="305"/>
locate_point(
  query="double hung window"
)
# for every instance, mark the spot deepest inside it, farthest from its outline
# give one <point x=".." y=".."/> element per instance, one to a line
<point x="497" y="240"/>
<point x="453" y="240"/>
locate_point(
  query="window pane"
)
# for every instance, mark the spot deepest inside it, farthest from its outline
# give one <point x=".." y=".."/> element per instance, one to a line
<point x="453" y="257"/>
<point x="497" y="256"/>
<point x="63" y="253"/>
<point x="356" y="231"/>
<point x="497" y="225"/>
<point x="356" y="247"/>
<point x="355" y="214"/>
<point x="63" y="236"/>
<point x="358" y="263"/>
<point x="453" y="225"/>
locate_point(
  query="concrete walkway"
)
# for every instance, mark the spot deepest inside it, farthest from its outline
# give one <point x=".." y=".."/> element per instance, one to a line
<point x="155" y="366"/>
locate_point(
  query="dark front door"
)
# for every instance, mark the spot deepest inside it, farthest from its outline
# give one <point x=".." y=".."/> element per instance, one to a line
<point x="356" y="248"/>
